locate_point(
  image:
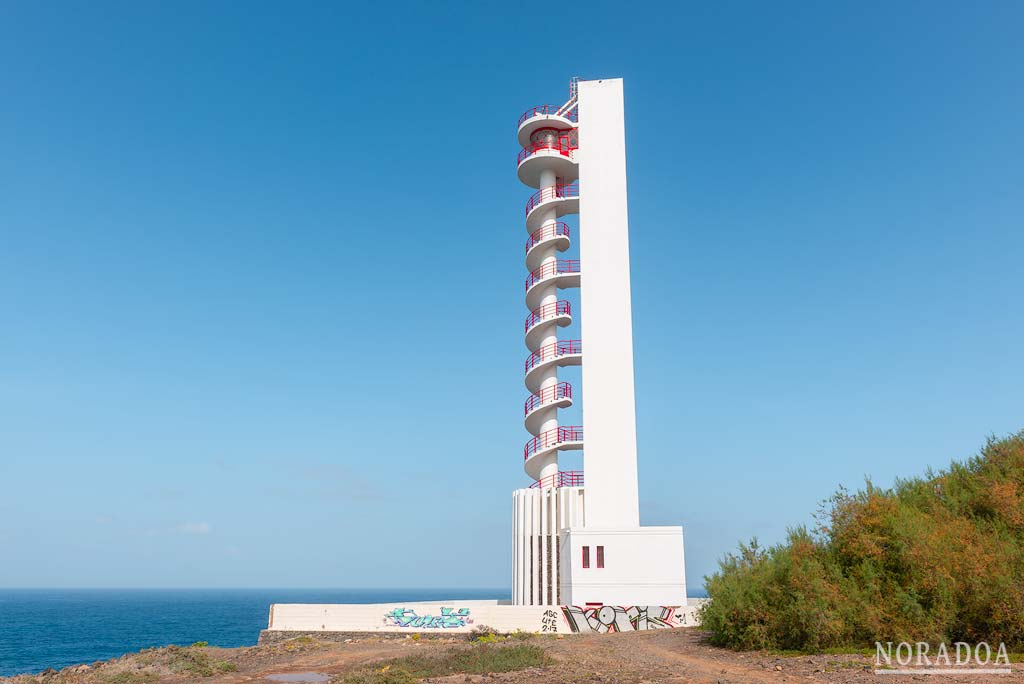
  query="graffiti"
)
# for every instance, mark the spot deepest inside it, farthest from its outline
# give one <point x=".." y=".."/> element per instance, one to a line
<point x="549" y="621"/>
<point x="603" y="619"/>
<point x="448" y="619"/>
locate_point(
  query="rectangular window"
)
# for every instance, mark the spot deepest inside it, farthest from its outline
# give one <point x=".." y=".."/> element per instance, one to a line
<point x="600" y="556"/>
<point x="586" y="556"/>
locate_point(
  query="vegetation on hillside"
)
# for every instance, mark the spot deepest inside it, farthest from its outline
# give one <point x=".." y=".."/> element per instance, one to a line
<point x="483" y="658"/>
<point x="935" y="558"/>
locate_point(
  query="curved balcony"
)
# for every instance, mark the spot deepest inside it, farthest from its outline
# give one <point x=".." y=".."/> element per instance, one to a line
<point x="554" y="396"/>
<point x="561" y="438"/>
<point x="561" y="353"/>
<point x="544" y="116"/>
<point x="553" y="234"/>
<point x="563" y="478"/>
<point x="562" y="273"/>
<point x="562" y="198"/>
<point x="559" y="312"/>
<point x="561" y="142"/>
<point x="558" y="153"/>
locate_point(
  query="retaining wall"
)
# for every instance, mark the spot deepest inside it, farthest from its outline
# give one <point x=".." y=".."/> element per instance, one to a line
<point x="465" y="616"/>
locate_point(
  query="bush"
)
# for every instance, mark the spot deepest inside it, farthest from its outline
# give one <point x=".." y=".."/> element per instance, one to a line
<point x="196" y="661"/>
<point x="125" y="677"/>
<point x="484" y="635"/>
<point x="937" y="558"/>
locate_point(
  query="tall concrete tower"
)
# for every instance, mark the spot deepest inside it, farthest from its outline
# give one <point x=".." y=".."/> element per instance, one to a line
<point x="582" y="544"/>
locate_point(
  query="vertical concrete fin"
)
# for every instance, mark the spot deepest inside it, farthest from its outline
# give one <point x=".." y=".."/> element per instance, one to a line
<point x="609" y="410"/>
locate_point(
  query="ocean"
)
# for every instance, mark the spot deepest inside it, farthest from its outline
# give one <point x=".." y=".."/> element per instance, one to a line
<point x="41" y="628"/>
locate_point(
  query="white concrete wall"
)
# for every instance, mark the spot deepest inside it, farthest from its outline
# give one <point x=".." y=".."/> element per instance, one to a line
<point x="609" y="412"/>
<point x="642" y="566"/>
<point x="465" y="616"/>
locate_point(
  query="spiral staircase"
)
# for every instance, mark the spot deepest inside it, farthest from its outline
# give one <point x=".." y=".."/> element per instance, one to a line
<point x="549" y="139"/>
<point x="548" y="136"/>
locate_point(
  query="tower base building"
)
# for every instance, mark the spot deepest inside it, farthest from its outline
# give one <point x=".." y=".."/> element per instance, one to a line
<point x="577" y="540"/>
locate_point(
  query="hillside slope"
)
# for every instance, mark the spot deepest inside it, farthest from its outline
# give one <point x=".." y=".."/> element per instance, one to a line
<point x="935" y="558"/>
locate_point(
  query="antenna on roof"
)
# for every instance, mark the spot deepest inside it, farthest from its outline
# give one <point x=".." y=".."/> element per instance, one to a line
<point x="565" y="109"/>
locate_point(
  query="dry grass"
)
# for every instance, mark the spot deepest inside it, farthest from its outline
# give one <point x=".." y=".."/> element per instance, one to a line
<point x="479" y="659"/>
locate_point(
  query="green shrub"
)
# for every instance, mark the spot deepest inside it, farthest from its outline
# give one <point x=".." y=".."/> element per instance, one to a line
<point x="484" y="635"/>
<point x="125" y="677"/>
<point x="937" y="558"/>
<point x="196" y="661"/>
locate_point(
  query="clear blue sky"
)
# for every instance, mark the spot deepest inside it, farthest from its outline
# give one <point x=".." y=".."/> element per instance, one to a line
<point x="261" y="273"/>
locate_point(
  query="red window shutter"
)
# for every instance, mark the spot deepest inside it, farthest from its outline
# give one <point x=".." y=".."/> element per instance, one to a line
<point x="586" y="556"/>
<point x="600" y="556"/>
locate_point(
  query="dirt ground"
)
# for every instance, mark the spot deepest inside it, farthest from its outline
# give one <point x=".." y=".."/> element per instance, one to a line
<point x="669" y="656"/>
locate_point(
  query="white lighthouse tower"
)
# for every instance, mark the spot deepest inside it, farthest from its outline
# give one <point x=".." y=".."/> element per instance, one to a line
<point x="577" y="543"/>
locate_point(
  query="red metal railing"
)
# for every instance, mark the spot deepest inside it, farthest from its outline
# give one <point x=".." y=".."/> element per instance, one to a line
<point x="553" y="437"/>
<point x="551" y="268"/>
<point x="548" y="231"/>
<point x="546" y="110"/>
<point x="552" y="192"/>
<point x="562" y="390"/>
<point x="559" y="308"/>
<point x="553" y="351"/>
<point x="563" y="144"/>
<point x="563" y="478"/>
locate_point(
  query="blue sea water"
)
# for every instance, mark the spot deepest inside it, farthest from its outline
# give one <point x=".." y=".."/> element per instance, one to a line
<point x="41" y="628"/>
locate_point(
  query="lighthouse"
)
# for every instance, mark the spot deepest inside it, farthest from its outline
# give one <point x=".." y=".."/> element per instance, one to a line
<point x="577" y="538"/>
<point x="581" y="561"/>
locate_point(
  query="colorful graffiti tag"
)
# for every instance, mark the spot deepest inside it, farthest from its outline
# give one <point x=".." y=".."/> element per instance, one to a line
<point x="448" y="619"/>
<point x="603" y="619"/>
